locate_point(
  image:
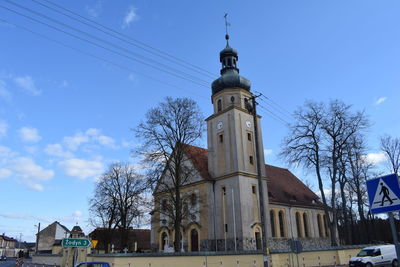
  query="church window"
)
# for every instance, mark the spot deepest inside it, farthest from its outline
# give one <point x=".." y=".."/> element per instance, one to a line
<point x="164" y="205"/>
<point x="319" y="225"/>
<point x="219" y="105"/>
<point x="249" y="136"/>
<point x="253" y="189"/>
<point x="272" y="218"/>
<point x="224" y="190"/>
<point x="281" y="223"/>
<point x="221" y="138"/>
<point x="251" y="160"/>
<point x="193" y="199"/>
<point x="226" y="228"/>
<point x="298" y="226"/>
<point x="305" y="221"/>
<point x="326" y="226"/>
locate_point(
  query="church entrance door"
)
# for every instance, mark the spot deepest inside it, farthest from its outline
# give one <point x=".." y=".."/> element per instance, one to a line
<point x="194" y="240"/>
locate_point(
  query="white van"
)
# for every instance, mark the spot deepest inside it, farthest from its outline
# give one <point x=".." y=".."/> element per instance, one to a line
<point x="375" y="256"/>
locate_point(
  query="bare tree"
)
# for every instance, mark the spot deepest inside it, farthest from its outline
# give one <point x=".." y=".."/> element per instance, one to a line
<point x="391" y="146"/>
<point x="117" y="200"/>
<point x="318" y="140"/>
<point x="167" y="133"/>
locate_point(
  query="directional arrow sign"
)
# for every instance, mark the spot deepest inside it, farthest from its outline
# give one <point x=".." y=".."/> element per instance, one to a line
<point x="384" y="194"/>
<point x="75" y="242"/>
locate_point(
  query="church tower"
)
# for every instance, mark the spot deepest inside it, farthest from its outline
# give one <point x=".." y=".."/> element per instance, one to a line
<point x="232" y="158"/>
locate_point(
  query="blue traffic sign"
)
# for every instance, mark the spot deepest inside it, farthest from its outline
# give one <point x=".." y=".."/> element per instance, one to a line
<point x="384" y="194"/>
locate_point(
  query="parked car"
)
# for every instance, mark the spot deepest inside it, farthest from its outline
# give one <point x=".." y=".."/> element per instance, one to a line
<point x="375" y="256"/>
<point x="93" y="264"/>
<point x="3" y="257"/>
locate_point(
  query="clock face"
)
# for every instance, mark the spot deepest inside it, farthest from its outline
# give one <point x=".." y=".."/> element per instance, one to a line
<point x="220" y="125"/>
<point x="248" y="124"/>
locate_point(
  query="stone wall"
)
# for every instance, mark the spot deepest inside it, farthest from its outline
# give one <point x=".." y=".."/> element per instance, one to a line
<point x="284" y="243"/>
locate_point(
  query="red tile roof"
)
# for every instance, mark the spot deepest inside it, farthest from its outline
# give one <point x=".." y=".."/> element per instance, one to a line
<point x="283" y="186"/>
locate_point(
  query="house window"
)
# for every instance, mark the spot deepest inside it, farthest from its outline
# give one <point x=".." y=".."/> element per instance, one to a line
<point x="253" y="189"/>
<point x="281" y="223"/>
<point x="249" y="136"/>
<point x="251" y="160"/>
<point x="219" y="105"/>
<point x="221" y="138"/>
<point x="272" y="218"/>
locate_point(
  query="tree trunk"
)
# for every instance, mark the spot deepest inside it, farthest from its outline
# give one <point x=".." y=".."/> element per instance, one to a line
<point x="347" y="238"/>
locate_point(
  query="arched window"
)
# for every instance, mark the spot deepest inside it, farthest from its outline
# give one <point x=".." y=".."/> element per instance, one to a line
<point x="257" y="236"/>
<point x="219" y="105"/>
<point x="194" y="240"/>
<point x="319" y="225"/>
<point x="272" y="218"/>
<point x="305" y="222"/>
<point x="326" y="226"/>
<point x="281" y="223"/>
<point x="298" y="226"/>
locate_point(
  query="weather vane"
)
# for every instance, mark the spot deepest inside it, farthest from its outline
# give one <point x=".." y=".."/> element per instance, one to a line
<point x="226" y="27"/>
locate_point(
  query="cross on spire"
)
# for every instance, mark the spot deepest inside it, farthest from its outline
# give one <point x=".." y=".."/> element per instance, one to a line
<point x="226" y="27"/>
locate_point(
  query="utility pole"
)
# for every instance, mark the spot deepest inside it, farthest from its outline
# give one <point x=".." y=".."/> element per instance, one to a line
<point x="37" y="239"/>
<point x="260" y="185"/>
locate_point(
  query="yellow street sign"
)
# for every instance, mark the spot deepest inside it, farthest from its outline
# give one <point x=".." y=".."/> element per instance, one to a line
<point x="94" y="243"/>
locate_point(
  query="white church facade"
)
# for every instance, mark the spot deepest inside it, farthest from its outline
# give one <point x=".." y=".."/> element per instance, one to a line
<point x="224" y="189"/>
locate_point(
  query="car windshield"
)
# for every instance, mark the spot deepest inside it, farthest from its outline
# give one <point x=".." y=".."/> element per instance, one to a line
<point x="365" y="252"/>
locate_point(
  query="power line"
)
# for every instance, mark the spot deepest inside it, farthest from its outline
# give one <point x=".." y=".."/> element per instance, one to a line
<point x="101" y="58"/>
<point x="274" y="116"/>
<point x="277" y="107"/>
<point x="172" y="71"/>
<point x="125" y="38"/>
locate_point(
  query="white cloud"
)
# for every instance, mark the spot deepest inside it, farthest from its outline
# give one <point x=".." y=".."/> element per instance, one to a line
<point x="3" y="129"/>
<point x="267" y="152"/>
<point x="28" y="84"/>
<point x="4" y="173"/>
<point x="57" y="150"/>
<point x="77" y="213"/>
<point x="64" y="83"/>
<point x="73" y="142"/>
<point x="28" y="170"/>
<point x="29" y="173"/>
<point x="91" y="135"/>
<point x="6" y="153"/>
<point x="375" y="158"/>
<point x="4" y="93"/>
<point x="380" y="100"/>
<point x="130" y="17"/>
<point x="95" y="10"/>
<point x="82" y="168"/>
<point x="29" y="134"/>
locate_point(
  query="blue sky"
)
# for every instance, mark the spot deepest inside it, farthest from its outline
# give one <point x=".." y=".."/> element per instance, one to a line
<point x="66" y="115"/>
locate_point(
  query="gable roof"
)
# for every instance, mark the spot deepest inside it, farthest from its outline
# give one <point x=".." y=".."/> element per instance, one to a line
<point x="283" y="186"/>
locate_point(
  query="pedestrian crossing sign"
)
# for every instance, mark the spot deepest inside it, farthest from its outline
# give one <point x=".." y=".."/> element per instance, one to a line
<point x="384" y="194"/>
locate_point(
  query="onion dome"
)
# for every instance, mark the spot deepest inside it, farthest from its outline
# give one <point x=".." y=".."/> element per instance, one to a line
<point x="230" y="77"/>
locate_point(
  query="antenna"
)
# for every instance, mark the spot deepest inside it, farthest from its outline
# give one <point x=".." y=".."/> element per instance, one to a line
<point x="226" y="28"/>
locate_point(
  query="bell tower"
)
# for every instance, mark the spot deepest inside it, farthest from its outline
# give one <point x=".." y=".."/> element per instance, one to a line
<point x="232" y="158"/>
<point x="230" y="128"/>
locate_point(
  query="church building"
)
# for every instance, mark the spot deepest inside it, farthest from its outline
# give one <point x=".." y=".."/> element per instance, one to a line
<point x="224" y="190"/>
